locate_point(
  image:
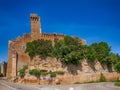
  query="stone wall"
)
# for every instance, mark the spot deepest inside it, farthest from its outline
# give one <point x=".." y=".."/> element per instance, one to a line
<point x="52" y="64"/>
<point x="4" y="68"/>
<point x="72" y="74"/>
<point x="87" y="77"/>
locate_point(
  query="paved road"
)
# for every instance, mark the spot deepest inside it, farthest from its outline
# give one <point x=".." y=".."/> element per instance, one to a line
<point x="2" y="87"/>
<point x="96" y="86"/>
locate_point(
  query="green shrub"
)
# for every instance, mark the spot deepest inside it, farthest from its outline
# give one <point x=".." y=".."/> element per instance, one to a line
<point x="35" y="72"/>
<point x="1" y="75"/>
<point x="44" y="72"/>
<point x="117" y="83"/>
<point x="22" y="71"/>
<point x="52" y="74"/>
<point x="102" y="78"/>
<point x="39" y="47"/>
<point x="60" y="72"/>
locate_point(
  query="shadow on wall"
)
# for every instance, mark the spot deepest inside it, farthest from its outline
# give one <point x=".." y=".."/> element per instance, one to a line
<point x="92" y="65"/>
<point x="73" y="68"/>
<point x="88" y="67"/>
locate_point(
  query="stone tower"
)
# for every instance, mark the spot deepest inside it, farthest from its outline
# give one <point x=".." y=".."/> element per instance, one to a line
<point x="35" y="26"/>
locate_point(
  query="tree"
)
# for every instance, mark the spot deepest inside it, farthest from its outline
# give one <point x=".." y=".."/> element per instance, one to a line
<point x="67" y="50"/>
<point x="39" y="47"/>
<point x="102" y="51"/>
<point x="117" y="67"/>
<point x="71" y="40"/>
<point x="91" y="54"/>
<point x="73" y="57"/>
<point x="70" y="50"/>
<point x="111" y="59"/>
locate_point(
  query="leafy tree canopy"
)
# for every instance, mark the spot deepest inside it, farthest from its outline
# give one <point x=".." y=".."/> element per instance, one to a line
<point x="70" y="50"/>
<point x="117" y="67"/>
<point x="39" y="47"/>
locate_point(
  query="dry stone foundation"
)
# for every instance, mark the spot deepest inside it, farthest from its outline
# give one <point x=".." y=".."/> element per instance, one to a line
<point x="72" y="74"/>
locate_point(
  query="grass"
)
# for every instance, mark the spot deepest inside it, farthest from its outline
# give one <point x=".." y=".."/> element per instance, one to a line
<point x="86" y="82"/>
<point x="102" y="78"/>
<point x="117" y="83"/>
<point x="77" y="83"/>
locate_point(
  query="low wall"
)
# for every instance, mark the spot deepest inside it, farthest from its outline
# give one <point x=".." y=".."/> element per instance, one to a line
<point x="87" y="77"/>
<point x="71" y="79"/>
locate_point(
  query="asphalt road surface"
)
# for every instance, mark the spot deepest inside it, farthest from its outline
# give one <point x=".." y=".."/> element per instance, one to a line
<point x="95" y="86"/>
<point x="2" y="87"/>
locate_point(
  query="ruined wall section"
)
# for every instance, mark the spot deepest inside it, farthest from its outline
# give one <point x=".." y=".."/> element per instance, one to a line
<point x="20" y="46"/>
<point x="52" y="37"/>
<point x="11" y="50"/>
<point x="17" y="49"/>
<point x="3" y="68"/>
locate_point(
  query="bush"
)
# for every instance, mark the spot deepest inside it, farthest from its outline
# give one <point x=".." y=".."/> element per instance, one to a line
<point x="117" y="83"/>
<point x="39" y="47"/>
<point x="44" y="72"/>
<point x="102" y="78"/>
<point x="1" y="75"/>
<point x="34" y="72"/>
<point x="60" y="72"/>
<point x="52" y="74"/>
<point x="22" y="71"/>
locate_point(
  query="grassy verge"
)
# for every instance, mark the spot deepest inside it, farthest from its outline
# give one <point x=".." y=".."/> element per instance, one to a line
<point x="117" y="83"/>
<point x="86" y="82"/>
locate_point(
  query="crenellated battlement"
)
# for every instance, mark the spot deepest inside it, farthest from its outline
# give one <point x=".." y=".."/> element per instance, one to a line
<point x="51" y="35"/>
<point x="34" y="17"/>
<point x="35" y="26"/>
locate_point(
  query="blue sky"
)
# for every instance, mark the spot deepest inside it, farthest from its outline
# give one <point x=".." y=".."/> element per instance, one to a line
<point x="93" y="20"/>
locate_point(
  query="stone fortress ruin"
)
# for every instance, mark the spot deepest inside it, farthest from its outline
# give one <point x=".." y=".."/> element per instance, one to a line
<point x="17" y="57"/>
